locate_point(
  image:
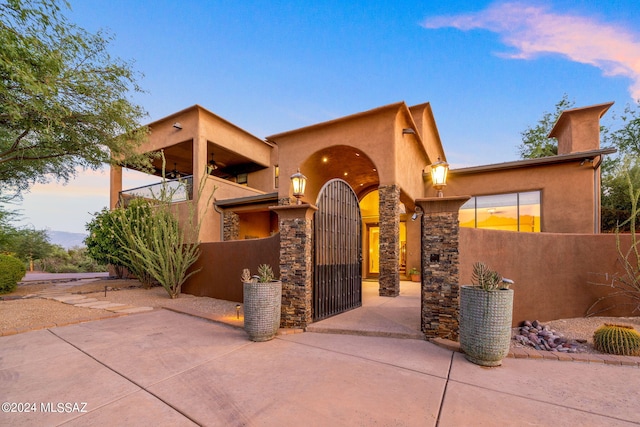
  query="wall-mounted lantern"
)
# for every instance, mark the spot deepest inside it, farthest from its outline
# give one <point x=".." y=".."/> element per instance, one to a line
<point x="439" y="172"/>
<point x="299" y="183"/>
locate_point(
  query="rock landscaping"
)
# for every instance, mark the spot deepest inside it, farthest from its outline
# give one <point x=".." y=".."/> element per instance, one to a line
<point x="542" y="337"/>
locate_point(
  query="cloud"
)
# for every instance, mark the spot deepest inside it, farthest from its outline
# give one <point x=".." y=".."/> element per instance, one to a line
<point x="535" y="30"/>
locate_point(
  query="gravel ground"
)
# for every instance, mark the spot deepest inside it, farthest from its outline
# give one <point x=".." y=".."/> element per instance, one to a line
<point x="27" y="312"/>
<point x="35" y="313"/>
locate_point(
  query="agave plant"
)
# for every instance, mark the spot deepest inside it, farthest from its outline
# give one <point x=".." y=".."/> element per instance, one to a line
<point x="488" y="279"/>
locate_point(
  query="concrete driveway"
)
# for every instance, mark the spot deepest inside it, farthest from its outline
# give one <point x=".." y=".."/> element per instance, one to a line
<point x="164" y="368"/>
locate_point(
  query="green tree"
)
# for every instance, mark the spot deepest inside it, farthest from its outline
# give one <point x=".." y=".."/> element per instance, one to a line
<point x="110" y="238"/>
<point x="616" y="203"/>
<point x="63" y="99"/>
<point x="618" y="171"/>
<point x="31" y="244"/>
<point x="102" y="242"/>
<point x="535" y="141"/>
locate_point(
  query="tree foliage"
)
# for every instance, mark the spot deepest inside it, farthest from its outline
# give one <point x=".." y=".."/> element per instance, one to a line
<point x="102" y="242"/>
<point x="73" y="260"/>
<point x="28" y="244"/>
<point x="11" y="271"/>
<point x="627" y="285"/>
<point x="535" y="141"/>
<point x="63" y="98"/>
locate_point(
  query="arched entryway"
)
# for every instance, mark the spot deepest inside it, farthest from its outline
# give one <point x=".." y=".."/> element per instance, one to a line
<point x="337" y="283"/>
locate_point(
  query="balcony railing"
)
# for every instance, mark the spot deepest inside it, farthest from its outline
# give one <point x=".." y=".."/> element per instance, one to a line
<point x="180" y="189"/>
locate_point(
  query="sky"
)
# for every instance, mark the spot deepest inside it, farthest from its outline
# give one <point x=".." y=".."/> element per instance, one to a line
<point x="489" y="69"/>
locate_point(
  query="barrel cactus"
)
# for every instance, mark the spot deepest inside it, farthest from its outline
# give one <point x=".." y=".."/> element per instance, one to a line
<point x="617" y="339"/>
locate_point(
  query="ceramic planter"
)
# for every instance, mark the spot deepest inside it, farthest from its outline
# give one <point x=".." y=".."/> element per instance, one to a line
<point x="262" y="309"/>
<point x="485" y="324"/>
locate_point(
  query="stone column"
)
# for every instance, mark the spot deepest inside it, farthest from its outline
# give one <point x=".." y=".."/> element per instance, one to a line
<point x="389" y="278"/>
<point x="440" y="266"/>
<point x="296" y="263"/>
<point x="231" y="228"/>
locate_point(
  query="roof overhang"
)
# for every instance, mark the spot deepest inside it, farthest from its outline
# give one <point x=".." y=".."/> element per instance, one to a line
<point x="598" y="109"/>
<point x="249" y="200"/>
<point x="543" y="161"/>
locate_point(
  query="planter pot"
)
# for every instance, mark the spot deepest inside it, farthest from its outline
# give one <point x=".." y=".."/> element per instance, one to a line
<point x="415" y="277"/>
<point x="485" y="324"/>
<point x="262" y="309"/>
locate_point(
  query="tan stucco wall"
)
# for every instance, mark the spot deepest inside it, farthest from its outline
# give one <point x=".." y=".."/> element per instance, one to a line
<point x="410" y="160"/>
<point x="567" y="201"/>
<point x="551" y="271"/>
<point x="211" y="227"/>
<point x="397" y="158"/>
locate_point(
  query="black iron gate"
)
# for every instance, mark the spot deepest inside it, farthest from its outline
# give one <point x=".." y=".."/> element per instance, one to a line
<point x="337" y="285"/>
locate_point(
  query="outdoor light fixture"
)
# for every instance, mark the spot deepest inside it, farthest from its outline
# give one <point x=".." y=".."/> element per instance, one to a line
<point x="299" y="183"/>
<point x="439" y="172"/>
<point x="417" y="213"/>
<point x="177" y="125"/>
<point x="237" y="311"/>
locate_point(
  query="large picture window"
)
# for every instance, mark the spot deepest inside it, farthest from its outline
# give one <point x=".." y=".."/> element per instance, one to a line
<point x="512" y="212"/>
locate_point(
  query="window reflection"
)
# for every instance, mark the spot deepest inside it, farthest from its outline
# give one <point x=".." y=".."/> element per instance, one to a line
<point x="512" y="212"/>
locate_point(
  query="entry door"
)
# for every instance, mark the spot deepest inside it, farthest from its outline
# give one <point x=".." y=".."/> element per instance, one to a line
<point x="373" y="240"/>
<point x="338" y="251"/>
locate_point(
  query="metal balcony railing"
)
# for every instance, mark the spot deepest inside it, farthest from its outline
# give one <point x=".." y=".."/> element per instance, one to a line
<point x="180" y="189"/>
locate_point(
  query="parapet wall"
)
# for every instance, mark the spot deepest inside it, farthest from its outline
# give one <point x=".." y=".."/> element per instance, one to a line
<point x="551" y="271"/>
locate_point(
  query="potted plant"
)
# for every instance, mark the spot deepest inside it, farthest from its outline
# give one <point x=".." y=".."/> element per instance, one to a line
<point x="262" y="296"/>
<point x="486" y="310"/>
<point x="414" y="274"/>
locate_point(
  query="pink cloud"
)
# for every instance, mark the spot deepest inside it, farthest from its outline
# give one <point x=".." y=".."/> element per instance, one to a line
<point x="534" y="30"/>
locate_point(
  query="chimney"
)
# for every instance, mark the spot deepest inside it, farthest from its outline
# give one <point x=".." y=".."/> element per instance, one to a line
<point x="578" y="130"/>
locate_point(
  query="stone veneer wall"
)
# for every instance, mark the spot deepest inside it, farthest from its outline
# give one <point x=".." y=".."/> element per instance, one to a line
<point x="440" y="268"/>
<point x="389" y="278"/>
<point x="231" y="226"/>
<point x="296" y="268"/>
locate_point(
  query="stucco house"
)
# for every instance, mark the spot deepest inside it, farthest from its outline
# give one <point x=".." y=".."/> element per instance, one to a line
<point x="382" y="157"/>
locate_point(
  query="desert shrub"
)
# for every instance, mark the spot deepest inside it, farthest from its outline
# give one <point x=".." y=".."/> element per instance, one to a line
<point x="12" y="270"/>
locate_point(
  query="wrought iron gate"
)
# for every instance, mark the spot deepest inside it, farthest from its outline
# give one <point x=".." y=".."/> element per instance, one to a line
<point x="337" y="285"/>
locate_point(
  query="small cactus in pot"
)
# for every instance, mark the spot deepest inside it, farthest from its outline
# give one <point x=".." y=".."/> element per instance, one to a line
<point x="262" y="297"/>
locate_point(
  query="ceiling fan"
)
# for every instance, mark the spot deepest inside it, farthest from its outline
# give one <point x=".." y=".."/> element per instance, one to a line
<point x="212" y="165"/>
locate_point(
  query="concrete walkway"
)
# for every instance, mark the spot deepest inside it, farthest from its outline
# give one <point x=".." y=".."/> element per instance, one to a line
<point x="165" y="368"/>
<point x="39" y="276"/>
<point x="397" y="317"/>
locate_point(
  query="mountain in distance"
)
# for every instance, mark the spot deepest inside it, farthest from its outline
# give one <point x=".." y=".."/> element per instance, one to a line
<point x="65" y="239"/>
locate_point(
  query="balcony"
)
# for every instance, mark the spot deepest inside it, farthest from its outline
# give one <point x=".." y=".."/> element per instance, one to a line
<point x="180" y="190"/>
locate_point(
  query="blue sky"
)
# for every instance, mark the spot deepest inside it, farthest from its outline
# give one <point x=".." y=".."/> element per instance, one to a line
<point x="489" y="69"/>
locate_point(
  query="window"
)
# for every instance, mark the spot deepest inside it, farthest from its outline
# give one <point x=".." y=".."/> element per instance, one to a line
<point x="513" y="212"/>
<point x="242" y="178"/>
